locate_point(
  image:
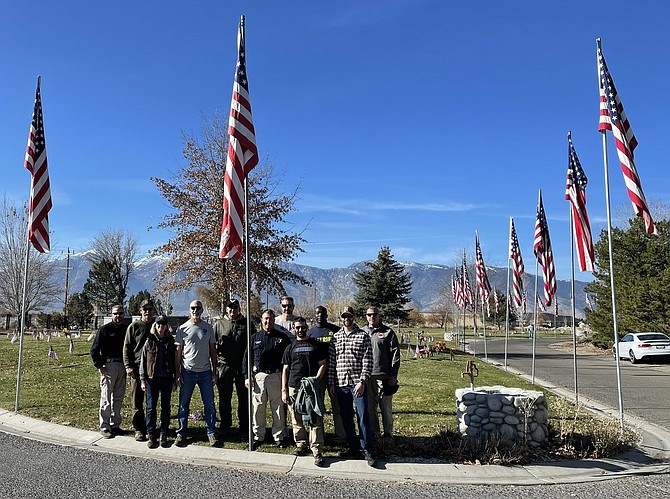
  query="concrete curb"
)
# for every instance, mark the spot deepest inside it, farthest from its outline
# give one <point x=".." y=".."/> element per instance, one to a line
<point x="535" y="474"/>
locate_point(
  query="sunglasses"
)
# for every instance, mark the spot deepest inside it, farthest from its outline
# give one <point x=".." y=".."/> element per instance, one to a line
<point x="371" y="315"/>
<point x="347" y="316"/>
<point x="300" y="328"/>
<point x="196" y="308"/>
<point x="287" y="305"/>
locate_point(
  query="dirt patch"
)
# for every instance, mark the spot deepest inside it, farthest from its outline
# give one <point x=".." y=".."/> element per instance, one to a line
<point x="582" y="348"/>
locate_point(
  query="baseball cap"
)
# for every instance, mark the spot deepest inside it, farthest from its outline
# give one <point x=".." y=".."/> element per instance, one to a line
<point x="161" y="319"/>
<point x="347" y="311"/>
<point x="233" y="304"/>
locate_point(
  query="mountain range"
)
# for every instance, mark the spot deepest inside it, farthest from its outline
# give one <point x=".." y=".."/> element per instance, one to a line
<point x="335" y="284"/>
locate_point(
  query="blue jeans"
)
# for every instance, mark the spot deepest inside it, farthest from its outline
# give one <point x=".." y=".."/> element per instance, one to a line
<point x="204" y="382"/>
<point x="155" y="387"/>
<point x="347" y="401"/>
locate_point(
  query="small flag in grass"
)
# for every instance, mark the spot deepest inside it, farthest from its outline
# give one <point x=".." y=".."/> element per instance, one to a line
<point x="52" y="353"/>
<point x="71" y="346"/>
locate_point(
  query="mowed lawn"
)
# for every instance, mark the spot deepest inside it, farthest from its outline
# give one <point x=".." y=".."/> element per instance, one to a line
<point x="66" y="390"/>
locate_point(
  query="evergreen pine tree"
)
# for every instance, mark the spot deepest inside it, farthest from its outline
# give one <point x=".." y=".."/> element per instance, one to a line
<point x="384" y="284"/>
<point x="642" y="280"/>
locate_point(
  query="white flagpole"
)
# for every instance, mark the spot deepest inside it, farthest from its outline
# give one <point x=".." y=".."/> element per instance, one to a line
<point x="611" y="261"/>
<point x="532" y="367"/>
<point x="22" y="318"/>
<point x="247" y="273"/>
<point x="507" y="296"/>
<point x="572" y="299"/>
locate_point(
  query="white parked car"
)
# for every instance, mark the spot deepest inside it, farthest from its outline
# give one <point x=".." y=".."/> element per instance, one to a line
<point x="637" y="346"/>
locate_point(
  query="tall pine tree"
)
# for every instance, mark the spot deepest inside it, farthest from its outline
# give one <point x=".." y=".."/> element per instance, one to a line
<point x="642" y="280"/>
<point x="384" y="284"/>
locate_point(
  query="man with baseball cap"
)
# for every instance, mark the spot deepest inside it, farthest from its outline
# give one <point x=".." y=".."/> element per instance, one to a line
<point x="349" y="369"/>
<point x="136" y="335"/>
<point x="231" y="342"/>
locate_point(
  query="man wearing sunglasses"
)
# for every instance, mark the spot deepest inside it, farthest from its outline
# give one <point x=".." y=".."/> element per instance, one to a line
<point x="195" y="364"/>
<point x="136" y="336"/>
<point x="384" y="380"/>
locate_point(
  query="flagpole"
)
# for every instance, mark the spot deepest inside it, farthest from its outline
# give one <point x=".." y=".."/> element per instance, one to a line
<point x="507" y="297"/>
<point x="611" y="262"/>
<point x="532" y="367"/>
<point x="572" y="299"/>
<point x="23" y="315"/>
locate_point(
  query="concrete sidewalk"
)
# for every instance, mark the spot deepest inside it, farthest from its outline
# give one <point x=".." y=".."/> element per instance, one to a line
<point x="635" y="462"/>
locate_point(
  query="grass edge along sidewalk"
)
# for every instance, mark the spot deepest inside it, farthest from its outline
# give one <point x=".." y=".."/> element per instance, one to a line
<point x="66" y="391"/>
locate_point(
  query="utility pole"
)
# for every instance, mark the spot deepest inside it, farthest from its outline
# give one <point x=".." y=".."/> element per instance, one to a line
<point x="67" y="286"/>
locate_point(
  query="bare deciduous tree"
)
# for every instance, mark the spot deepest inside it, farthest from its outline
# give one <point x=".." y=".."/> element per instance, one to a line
<point x="195" y="193"/>
<point x="41" y="288"/>
<point x="113" y="258"/>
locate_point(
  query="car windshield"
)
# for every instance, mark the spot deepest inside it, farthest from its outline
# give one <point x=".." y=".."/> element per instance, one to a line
<point x="652" y="336"/>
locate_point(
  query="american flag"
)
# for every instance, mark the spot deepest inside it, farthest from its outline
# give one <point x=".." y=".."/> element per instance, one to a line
<point x="52" y="353"/>
<point x="71" y="348"/>
<point x="457" y="290"/>
<point x="468" y="299"/>
<point x="613" y="118"/>
<point x="543" y="253"/>
<point x="539" y="303"/>
<point x="454" y="288"/>
<point x="40" y="191"/>
<point x="482" y="278"/>
<point x="496" y="301"/>
<point x="242" y="157"/>
<point x="588" y="301"/>
<point x="517" y="265"/>
<point x="575" y="192"/>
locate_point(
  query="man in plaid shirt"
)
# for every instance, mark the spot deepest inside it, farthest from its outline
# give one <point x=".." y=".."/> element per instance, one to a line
<point x="349" y="368"/>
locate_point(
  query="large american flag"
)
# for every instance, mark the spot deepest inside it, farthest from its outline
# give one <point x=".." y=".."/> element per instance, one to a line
<point x="543" y="253"/>
<point x="575" y="192"/>
<point x="517" y="265"/>
<point x="40" y="191"/>
<point x="482" y="277"/>
<point x="242" y="157"/>
<point x="613" y="118"/>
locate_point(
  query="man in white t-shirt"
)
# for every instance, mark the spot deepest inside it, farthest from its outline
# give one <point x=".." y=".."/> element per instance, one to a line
<point x="195" y="364"/>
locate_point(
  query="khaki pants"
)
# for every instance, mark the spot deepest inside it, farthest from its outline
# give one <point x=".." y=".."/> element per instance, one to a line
<point x="112" y="391"/>
<point x="267" y="388"/>
<point x="300" y="432"/>
<point x="385" y="404"/>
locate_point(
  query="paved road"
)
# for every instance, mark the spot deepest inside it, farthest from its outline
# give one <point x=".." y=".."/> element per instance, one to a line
<point x="30" y="469"/>
<point x="645" y="386"/>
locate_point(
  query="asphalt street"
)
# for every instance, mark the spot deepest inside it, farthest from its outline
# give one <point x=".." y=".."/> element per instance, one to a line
<point x="30" y="469"/>
<point x="645" y="386"/>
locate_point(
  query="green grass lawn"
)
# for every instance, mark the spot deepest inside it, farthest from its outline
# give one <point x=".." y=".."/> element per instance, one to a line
<point x="66" y="391"/>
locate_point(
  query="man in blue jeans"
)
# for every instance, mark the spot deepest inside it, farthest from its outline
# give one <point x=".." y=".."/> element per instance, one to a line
<point x="349" y="368"/>
<point x="195" y="364"/>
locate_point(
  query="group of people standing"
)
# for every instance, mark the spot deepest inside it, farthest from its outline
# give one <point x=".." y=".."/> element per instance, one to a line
<point x="293" y="367"/>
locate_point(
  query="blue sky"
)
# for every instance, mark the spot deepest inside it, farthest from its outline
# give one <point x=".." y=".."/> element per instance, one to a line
<point x="408" y="123"/>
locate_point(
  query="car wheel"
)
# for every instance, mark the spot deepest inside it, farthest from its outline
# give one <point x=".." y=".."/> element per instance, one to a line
<point x="631" y="356"/>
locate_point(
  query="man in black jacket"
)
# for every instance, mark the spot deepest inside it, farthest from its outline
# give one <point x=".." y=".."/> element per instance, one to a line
<point x="107" y="355"/>
<point x="267" y="350"/>
<point x="231" y="341"/>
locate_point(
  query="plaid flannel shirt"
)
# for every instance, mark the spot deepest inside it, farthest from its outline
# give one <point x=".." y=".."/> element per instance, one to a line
<point x="349" y="358"/>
